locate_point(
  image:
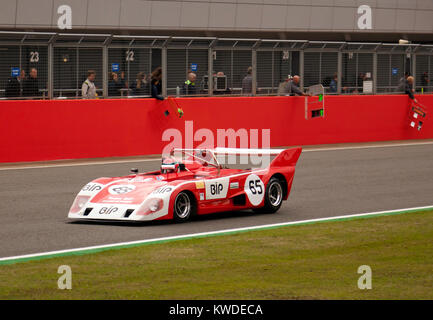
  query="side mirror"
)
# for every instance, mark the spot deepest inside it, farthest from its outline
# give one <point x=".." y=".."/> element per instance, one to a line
<point x="134" y="170"/>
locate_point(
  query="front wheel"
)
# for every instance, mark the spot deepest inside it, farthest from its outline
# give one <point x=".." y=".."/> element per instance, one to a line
<point x="183" y="207"/>
<point x="273" y="196"/>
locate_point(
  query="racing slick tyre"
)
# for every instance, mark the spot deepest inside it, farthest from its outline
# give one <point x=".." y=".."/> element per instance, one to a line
<point x="184" y="207"/>
<point x="273" y="196"/>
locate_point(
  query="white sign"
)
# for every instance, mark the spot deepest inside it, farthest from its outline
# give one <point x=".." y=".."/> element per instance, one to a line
<point x="367" y="86"/>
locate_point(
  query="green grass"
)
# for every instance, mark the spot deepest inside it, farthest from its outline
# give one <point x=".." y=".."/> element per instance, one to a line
<point x="316" y="261"/>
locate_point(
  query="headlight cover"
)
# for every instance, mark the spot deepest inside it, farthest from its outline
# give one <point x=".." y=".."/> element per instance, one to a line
<point x="150" y="206"/>
<point x="79" y="203"/>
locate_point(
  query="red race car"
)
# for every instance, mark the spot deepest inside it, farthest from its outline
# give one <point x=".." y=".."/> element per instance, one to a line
<point x="193" y="184"/>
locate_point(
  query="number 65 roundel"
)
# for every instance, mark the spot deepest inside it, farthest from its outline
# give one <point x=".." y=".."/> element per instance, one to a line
<point x="255" y="189"/>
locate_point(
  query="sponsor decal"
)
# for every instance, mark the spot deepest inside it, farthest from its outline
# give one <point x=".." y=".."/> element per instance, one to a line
<point x="217" y="188"/>
<point x="108" y="210"/>
<point x="199" y="185"/>
<point x="234" y="185"/>
<point x="92" y="187"/>
<point x="255" y="189"/>
<point x="201" y="196"/>
<point x="118" y="200"/>
<point x="159" y="178"/>
<point x="164" y="189"/>
<point x="141" y="179"/>
<point x="121" y="189"/>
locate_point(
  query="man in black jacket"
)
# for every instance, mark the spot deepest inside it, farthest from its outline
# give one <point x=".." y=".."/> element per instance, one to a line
<point x="14" y="85"/>
<point x="31" y="85"/>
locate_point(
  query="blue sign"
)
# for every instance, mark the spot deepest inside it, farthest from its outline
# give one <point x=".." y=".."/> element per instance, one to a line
<point x="394" y="71"/>
<point x="15" y="72"/>
<point x="115" y="67"/>
<point x="194" y="67"/>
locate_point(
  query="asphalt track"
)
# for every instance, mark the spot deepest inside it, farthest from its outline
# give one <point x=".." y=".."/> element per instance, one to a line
<point x="34" y="202"/>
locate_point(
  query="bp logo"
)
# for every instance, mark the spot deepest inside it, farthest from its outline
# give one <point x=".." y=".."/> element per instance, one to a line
<point x="121" y="189"/>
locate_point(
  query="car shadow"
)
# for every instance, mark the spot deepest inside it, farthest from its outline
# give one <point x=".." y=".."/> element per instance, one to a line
<point x="195" y="219"/>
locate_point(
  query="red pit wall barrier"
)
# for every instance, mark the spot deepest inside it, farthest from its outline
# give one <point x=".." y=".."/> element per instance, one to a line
<point x="72" y="129"/>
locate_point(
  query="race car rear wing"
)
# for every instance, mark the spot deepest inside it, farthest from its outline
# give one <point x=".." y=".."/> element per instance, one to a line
<point x="240" y="151"/>
<point x="284" y="156"/>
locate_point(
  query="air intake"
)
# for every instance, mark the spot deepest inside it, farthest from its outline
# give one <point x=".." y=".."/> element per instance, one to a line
<point x="129" y="212"/>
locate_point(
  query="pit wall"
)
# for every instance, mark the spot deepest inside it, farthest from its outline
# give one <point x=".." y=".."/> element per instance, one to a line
<point x="74" y="129"/>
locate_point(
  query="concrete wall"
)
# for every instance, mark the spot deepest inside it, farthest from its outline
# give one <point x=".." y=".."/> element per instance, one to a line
<point x="399" y="16"/>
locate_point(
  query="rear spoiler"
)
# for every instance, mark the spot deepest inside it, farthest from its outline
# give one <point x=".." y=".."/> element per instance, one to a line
<point x="240" y="151"/>
<point x="285" y="157"/>
<point x="288" y="157"/>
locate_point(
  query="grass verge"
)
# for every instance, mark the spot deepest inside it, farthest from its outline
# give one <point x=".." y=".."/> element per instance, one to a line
<point x="315" y="261"/>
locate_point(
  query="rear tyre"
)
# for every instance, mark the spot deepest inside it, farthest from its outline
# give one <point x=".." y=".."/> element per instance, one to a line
<point x="184" y="207"/>
<point x="273" y="196"/>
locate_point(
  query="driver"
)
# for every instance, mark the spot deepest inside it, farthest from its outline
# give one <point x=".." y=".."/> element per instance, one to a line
<point x="170" y="165"/>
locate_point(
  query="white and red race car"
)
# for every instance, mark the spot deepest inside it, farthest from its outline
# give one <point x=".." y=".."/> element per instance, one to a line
<point x="196" y="184"/>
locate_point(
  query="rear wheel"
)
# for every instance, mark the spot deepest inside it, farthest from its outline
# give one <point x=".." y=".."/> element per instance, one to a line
<point x="183" y="207"/>
<point x="273" y="196"/>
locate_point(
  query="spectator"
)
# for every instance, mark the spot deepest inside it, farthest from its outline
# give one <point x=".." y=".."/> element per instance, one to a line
<point x="31" y="85"/>
<point x="406" y="86"/>
<point x="402" y="82"/>
<point x="247" y="82"/>
<point x="333" y="85"/>
<point x="114" y="85"/>
<point x="425" y="81"/>
<point x="156" y="87"/>
<point x="220" y="74"/>
<point x="189" y="86"/>
<point x="360" y="86"/>
<point x="295" y="90"/>
<point x="14" y="85"/>
<point x="88" y="89"/>
<point x="140" y="86"/>
<point x="291" y="87"/>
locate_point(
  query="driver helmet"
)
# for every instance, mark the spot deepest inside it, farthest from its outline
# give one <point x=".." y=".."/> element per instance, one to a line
<point x="169" y="165"/>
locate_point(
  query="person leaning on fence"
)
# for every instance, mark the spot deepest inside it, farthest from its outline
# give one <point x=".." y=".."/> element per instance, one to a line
<point x="156" y="87"/>
<point x="291" y="87"/>
<point x="88" y="89"/>
<point x="14" y="85"/>
<point x="31" y="84"/>
<point x="189" y="85"/>
<point x="406" y="86"/>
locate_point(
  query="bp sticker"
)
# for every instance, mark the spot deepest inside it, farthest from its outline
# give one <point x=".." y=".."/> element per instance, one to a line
<point x="255" y="189"/>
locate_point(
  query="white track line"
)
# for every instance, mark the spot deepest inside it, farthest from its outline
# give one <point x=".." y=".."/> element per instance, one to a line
<point x="203" y="234"/>
<point x="92" y="163"/>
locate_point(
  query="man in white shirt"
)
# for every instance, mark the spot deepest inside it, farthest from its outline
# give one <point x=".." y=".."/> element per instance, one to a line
<point x="88" y="89"/>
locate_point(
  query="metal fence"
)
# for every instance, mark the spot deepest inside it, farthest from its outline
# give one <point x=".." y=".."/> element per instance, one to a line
<point x="123" y="65"/>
